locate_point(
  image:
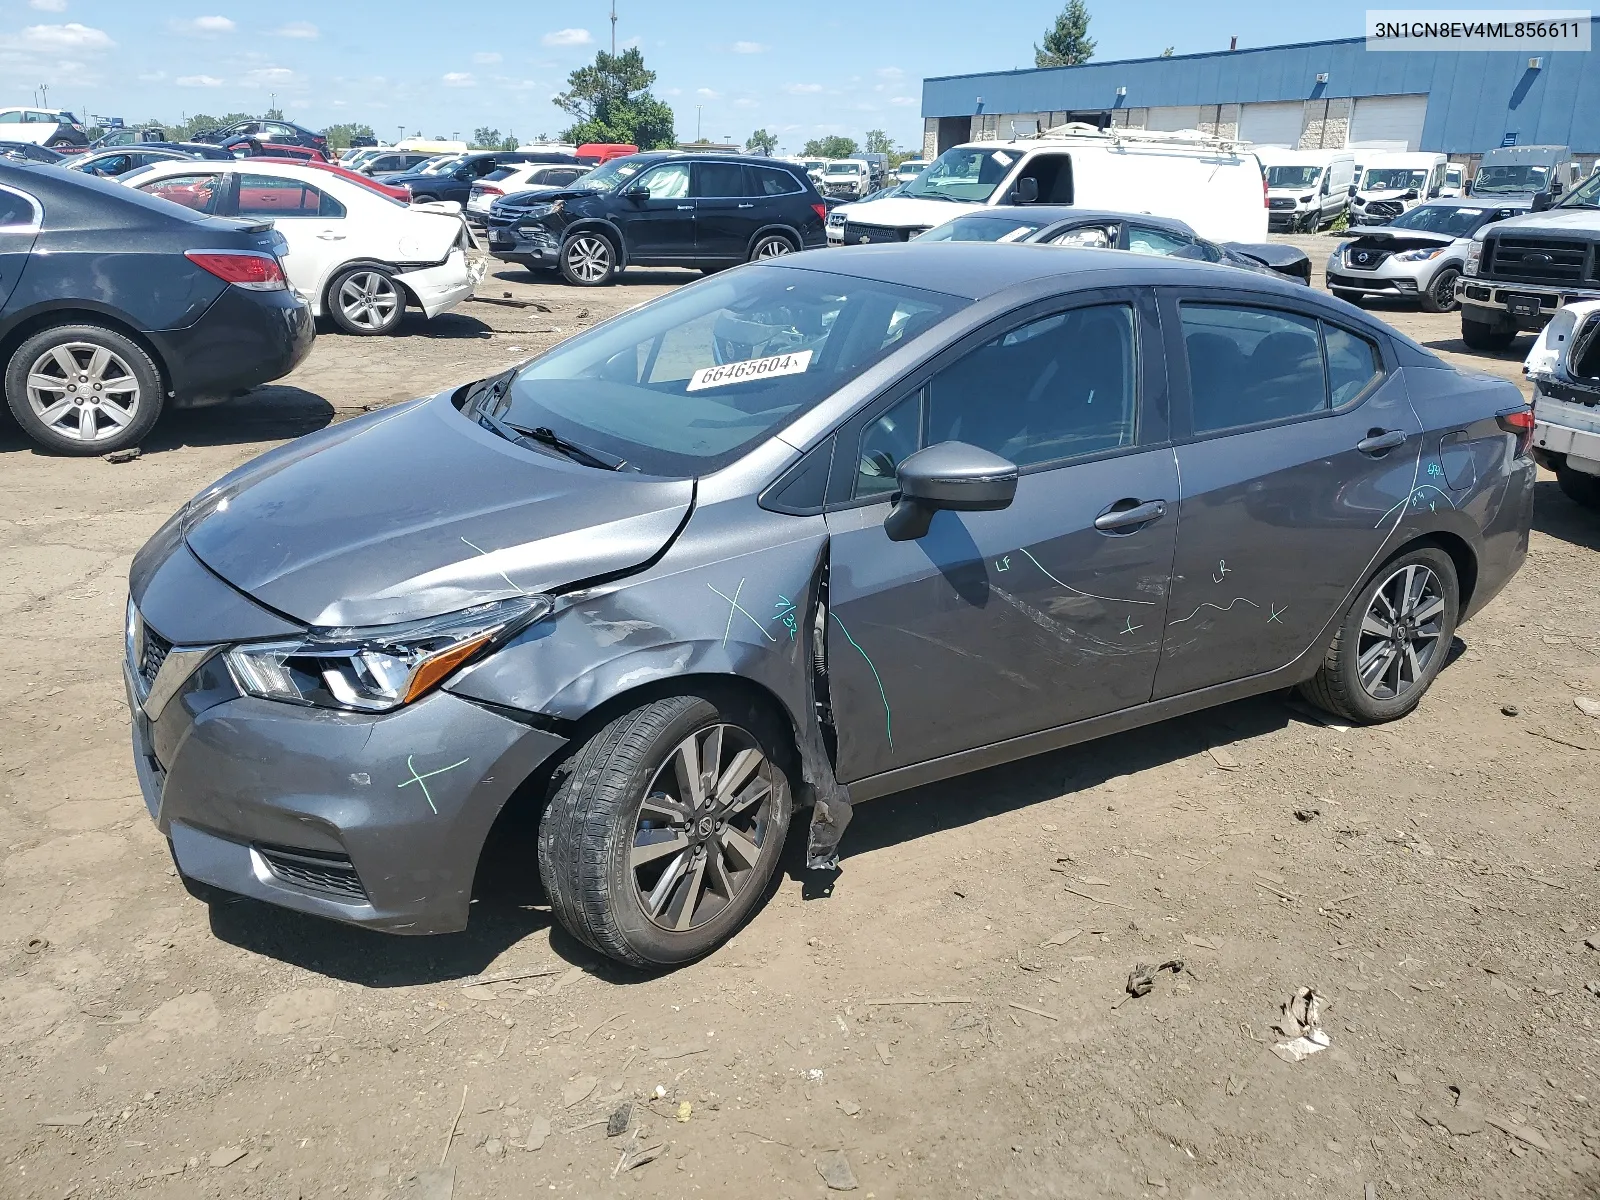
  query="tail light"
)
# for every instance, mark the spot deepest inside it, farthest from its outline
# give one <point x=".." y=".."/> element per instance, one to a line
<point x="1264" y="203"/>
<point x="242" y="268"/>
<point x="1519" y="422"/>
<point x="821" y="210"/>
<point x="488" y="189"/>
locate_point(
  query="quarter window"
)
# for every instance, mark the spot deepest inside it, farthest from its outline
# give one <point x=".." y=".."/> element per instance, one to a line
<point x="199" y="192"/>
<point x="274" y="196"/>
<point x="1254" y="366"/>
<point x="772" y="182"/>
<point x="15" y="210"/>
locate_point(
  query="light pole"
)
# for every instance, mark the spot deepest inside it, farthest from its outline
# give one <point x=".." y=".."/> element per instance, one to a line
<point x="44" y="90"/>
<point x="697" y="109"/>
<point x="613" y="28"/>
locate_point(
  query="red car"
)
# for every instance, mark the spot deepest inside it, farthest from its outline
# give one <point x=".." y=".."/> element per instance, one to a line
<point x="402" y="194"/>
<point x="251" y="148"/>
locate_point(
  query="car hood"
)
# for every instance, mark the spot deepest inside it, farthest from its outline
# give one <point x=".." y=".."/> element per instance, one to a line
<point x="416" y="511"/>
<point x="1584" y="222"/>
<point x="902" y="211"/>
<point x="1382" y="237"/>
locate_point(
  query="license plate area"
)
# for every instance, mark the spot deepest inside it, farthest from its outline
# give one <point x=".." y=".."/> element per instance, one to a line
<point x="1523" y="306"/>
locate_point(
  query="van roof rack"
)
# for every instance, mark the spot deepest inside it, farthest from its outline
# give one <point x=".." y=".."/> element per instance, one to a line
<point x="1121" y="133"/>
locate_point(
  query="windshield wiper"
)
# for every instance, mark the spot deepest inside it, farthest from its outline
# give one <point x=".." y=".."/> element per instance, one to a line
<point x="590" y="457"/>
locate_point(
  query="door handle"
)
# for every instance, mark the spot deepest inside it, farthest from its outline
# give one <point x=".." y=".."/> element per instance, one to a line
<point x="1380" y="441"/>
<point x="685" y="208"/>
<point x="331" y="237"/>
<point x="745" y="206"/>
<point x="1139" y="514"/>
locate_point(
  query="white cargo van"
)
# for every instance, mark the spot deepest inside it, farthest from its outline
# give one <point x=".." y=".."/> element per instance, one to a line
<point x="1216" y="186"/>
<point x="850" y="177"/>
<point x="1392" y="183"/>
<point x="1306" y="189"/>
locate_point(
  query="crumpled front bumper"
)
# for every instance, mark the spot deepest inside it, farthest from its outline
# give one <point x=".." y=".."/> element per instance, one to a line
<point x="439" y="289"/>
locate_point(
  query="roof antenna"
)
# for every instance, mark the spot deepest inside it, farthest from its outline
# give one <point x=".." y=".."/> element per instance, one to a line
<point x="1233" y="42"/>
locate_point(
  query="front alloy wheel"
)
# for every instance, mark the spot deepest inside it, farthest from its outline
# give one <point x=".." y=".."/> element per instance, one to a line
<point x="588" y="260"/>
<point x="1441" y="294"/>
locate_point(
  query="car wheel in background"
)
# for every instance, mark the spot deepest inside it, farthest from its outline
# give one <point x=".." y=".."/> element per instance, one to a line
<point x="1579" y="487"/>
<point x="588" y="260"/>
<point x="773" y="245"/>
<point x="665" y="827"/>
<point x="1479" y="335"/>
<point x="1441" y="294"/>
<point x="62" y="143"/>
<point x="83" y="389"/>
<point x="366" y="301"/>
<point x="1393" y="640"/>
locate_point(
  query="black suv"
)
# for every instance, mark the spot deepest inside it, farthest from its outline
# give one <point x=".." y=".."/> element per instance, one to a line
<point x="659" y="210"/>
<point x="453" y="180"/>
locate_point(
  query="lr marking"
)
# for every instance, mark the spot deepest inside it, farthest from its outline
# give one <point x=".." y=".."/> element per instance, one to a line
<point x="1222" y="572"/>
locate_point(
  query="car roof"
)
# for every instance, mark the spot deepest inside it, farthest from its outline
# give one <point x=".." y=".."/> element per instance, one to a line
<point x="1054" y="214"/>
<point x="976" y="270"/>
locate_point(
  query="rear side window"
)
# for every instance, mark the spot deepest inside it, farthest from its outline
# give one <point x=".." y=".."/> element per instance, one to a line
<point x="274" y="196"/>
<point x="499" y="173"/>
<point x="1143" y="240"/>
<point x="1255" y="366"/>
<point x="769" y="181"/>
<point x="202" y="193"/>
<point x="713" y="179"/>
<point x="14" y="210"/>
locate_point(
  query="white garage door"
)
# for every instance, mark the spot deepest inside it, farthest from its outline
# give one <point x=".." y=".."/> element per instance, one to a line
<point x="1164" y="120"/>
<point x="1272" y="124"/>
<point x="1388" y="123"/>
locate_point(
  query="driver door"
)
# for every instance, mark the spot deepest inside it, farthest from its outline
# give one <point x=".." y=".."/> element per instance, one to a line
<point x="660" y="227"/>
<point x="995" y="625"/>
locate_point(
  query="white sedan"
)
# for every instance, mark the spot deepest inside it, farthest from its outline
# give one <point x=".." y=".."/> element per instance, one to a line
<point x="357" y="255"/>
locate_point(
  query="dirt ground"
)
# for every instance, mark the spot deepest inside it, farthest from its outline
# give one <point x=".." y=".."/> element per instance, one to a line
<point x="944" y="1018"/>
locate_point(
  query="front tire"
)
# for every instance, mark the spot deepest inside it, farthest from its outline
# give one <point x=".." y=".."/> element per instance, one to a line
<point x="1479" y="335"/>
<point x="589" y="260"/>
<point x="665" y="828"/>
<point x="366" y="301"/>
<point x="1578" y="486"/>
<point x="83" y="389"/>
<point x="1393" y="640"/>
<point x="1441" y="294"/>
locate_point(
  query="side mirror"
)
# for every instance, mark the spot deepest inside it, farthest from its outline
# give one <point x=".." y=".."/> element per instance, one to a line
<point x="1026" y="191"/>
<point x="1542" y="201"/>
<point x="1555" y="187"/>
<point x="949" y="475"/>
<point x="1352" y="189"/>
<point x="637" y="194"/>
<point x="464" y="175"/>
<point x="1410" y="195"/>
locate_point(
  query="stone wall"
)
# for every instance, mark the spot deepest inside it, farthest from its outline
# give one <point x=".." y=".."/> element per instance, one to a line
<point x="1326" y="125"/>
<point x="930" y="138"/>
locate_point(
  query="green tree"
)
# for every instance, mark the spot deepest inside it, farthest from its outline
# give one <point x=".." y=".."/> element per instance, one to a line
<point x="484" y="138"/>
<point x="274" y="114"/>
<point x="879" y="142"/>
<point x="610" y="101"/>
<point x="342" y="136"/>
<point x="835" y="146"/>
<point x="1167" y="53"/>
<point x="1066" y="43"/>
<point x="761" y="142"/>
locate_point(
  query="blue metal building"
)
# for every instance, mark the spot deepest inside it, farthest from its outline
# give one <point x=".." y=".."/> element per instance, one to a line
<point x="1313" y="95"/>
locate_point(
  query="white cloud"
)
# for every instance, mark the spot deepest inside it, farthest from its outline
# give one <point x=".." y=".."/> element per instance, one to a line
<point x="902" y="100"/>
<point x="153" y="77"/>
<point x="707" y="94"/>
<point x="205" y="81"/>
<point x="275" y="77"/>
<point x="890" y="73"/>
<point x="802" y="89"/>
<point x="304" y="30"/>
<point x="486" y="56"/>
<point x="48" y="5"/>
<point x="203" y="26"/>
<point x="459" y="79"/>
<point x="568" y="37"/>
<point x="750" y="48"/>
<point x="55" y="38"/>
<point x="746" y="102"/>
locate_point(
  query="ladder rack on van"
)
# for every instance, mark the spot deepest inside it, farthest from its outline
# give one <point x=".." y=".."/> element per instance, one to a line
<point x="1117" y="134"/>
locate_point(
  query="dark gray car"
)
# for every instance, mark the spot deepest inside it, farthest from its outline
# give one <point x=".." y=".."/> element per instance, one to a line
<point x="807" y="532"/>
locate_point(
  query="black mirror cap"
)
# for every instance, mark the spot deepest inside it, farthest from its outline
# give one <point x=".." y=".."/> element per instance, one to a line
<point x="1411" y="195"/>
<point x="1542" y="201"/>
<point x="637" y="193"/>
<point x="949" y="475"/>
<point x="1027" y="191"/>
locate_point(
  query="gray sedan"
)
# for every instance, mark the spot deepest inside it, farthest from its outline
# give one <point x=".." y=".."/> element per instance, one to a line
<point x="807" y="532"/>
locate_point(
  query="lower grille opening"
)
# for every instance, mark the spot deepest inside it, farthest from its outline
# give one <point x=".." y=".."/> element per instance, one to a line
<point x="317" y="870"/>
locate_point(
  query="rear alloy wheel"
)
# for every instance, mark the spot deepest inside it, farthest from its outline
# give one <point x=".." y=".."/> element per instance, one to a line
<point x="366" y="301"/>
<point x="1479" y="335"/>
<point x="588" y="260"/>
<point x="1393" y="640"/>
<point x="63" y="143"/>
<point x="1441" y="294"/>
<point x="665" y="829"/>
<point x="774" y="245"/>
<point x="83" y="389"/>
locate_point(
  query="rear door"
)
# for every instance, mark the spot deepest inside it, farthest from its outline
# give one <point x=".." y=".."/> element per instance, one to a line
<point x="312" y="221"/>
<point x="660" y="227"/>
<point x="19" y="225"/>
<point x="725" y="214"/>
<point x="1000" y="624"/>
<point x="1299" y="453"/>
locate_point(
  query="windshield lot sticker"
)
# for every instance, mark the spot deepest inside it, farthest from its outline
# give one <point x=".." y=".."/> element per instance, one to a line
<point x="755" y="368"/>
<point x="421" y="780"/>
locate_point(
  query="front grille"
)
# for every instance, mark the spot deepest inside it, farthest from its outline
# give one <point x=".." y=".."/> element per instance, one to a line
<point x="315" y="869"/>
<point x="1362" y="259"/>
<point x="1280" y="202"/>
<point x="858" y="234"/>
<point x="154" y="653"/>
<point x="1534" y="259"/>
<point x="1384" y="210"/>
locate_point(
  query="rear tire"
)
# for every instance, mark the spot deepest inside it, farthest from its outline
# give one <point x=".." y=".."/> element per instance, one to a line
<point x="1441" y="294"/>
<point x="366" y="301"/>
<point x="773" y="245"/>
<point x="1578" y="486"/>
<point x="108" y="401"/>
<point x="1393" y="640"/>
<point x="1479" y="335"/>
<point x="633" y="866"/>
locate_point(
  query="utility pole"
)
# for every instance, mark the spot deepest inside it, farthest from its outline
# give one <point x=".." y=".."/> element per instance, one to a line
<point x="44" y="89"/>
<point x="697" y="109"/>
<point x="613" y="27"/>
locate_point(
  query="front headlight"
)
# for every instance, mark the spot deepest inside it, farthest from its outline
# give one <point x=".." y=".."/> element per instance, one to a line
<point x="379" y="668"/>
<point x="1307" y="199"/>
<point x="535" y="212"/>
<point x="1420" y="254"/>
<point x="1474" y="256"/>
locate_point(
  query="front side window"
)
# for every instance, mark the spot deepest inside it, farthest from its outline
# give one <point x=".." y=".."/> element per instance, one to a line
<point x="10" y="118"/>
<point x="669" y="182"/>
<point x="274" y="196"/>
<point x="984" y="228"/>
<point x="1251" y="366"/>
<point x="687" y="384"/>
<point x="1093" y="236"/>
<point x="1057" y="388"/>
<point x="202" y="193"/>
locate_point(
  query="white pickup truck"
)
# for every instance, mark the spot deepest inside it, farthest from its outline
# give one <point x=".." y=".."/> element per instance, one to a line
<point x="1564" y="367"/>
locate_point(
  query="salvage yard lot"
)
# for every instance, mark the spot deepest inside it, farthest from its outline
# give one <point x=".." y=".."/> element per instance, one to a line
<point x="944" y="1018"/>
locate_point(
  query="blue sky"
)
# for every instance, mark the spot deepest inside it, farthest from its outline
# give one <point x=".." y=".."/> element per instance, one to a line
<point x="797" y="70"/>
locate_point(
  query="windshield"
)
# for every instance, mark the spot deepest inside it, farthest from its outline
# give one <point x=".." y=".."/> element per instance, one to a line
<point x="980" y="229"/>
<point x="841" y="168"/>
<point x="1293" y="177"/>
<point x="1393" y="179"/>
<point x="1508" y="180"/>
<point x="688" y="383"/>
<point x="962" y="173"/>
<point x="609" y="176"/>
<point x="1585" y="195"/>
<point x="1442" y="218"/>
